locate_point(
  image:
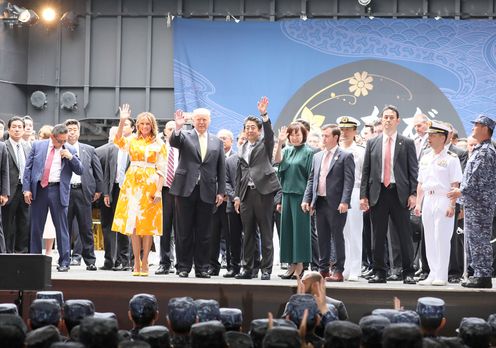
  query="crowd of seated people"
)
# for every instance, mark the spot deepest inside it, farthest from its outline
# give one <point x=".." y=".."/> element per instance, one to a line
<point x="310" y="319"/>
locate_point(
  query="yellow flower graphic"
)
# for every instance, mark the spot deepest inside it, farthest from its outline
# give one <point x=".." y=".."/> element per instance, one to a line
<point x="316" y="121"/>
<point x="361" y="84"/>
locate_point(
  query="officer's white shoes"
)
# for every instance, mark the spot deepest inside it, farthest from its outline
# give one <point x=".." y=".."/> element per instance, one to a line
<point x="425" y="282"/>
<point x="438" y="283"/>
<point x="353" y="279"/>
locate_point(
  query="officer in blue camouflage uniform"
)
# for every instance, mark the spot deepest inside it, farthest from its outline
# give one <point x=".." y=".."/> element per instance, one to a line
<point x="478" y="195"/>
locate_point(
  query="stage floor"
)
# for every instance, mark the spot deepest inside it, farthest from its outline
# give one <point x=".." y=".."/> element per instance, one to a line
<point x="111" y="291"/>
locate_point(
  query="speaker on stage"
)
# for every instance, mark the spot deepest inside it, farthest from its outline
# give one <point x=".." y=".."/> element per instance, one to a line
<point x="25" y="272"/>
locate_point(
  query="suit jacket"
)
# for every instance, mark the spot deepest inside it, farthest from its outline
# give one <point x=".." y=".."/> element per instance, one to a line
<point x="212" y="171"/>
<point x="13" y="168"/>
<point x="339" y="180"/>
<point x="405" y="168"/>
<point x="231" y="165"/>
<point x="35" y="165"/>
<point x="110" y="172"/>
<point x="92" y="176"/>
<point x="4" y="171"/>
<point x="462" y="155"/>
<point x="259" y="166"/>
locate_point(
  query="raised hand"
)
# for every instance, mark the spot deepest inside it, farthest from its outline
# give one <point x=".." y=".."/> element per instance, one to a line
<point x="283" y="135"/>
<point x="262" y="105"/>
<point x="124" y="112"/>
<point x="179" y="118"/>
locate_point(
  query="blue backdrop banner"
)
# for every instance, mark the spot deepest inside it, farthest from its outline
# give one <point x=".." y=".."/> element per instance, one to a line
<point x="323" y="69"/>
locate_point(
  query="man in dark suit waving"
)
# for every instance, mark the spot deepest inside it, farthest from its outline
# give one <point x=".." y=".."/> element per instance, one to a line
<point x="199" y="185"/>
<point x="256" y="183"/>
<point x="329" y="189"/>
<point x="46" y="183"/>
<point x="388" y="188"/>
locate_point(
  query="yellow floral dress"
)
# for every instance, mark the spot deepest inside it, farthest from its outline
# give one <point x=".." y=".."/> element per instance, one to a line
<point x="135" y="208"/>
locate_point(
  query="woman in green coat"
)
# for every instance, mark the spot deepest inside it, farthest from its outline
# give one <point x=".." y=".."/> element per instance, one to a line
<point x="295" y="165"/>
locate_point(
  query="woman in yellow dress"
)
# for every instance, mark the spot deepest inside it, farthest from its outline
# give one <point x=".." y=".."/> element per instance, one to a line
<point x="139" y="209"/>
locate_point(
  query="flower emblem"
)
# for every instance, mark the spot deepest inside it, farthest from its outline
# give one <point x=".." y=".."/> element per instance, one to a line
<point x="360" y="84"/>
<point x="316" y="121"/>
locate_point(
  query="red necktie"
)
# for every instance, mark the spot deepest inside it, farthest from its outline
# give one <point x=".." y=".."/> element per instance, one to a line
<point x="170" y="168"/>
<point x="46" y="171"/>
<point x="387" y="163"/>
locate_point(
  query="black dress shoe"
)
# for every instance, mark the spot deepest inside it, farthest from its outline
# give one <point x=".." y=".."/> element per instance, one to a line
<point x="213" y="272"/>
<point x="105" y="268"/>
<point x="162" y="270"/>
<point x="118" y="267"/>
<point x="75" y="262"/>
<point x="409" y="280"/>
<point x="183" y="274"/>
<point x="478" y="283"/>
<point x="91" y="267"/>
<point x="244" y="275"/>
<point x="453" y="279"/>
<point x="423" y="275"/>
<point x="376" y="279"/>
<point x="231" y="274"/>
<point x="202" y="275"/>
<point x="394" y="278"/>
<point x="63" y="268"/>
<point x="265" y="276"/>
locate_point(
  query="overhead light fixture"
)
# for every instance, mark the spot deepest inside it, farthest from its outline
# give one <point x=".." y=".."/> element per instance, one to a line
<point x="170" y="18"/>
<point x="48" y="14"/>
<point x="69" y="20"/>
<point x="28" y="17"/>
<point x="230" y="16"/>
<point x="364" y="2"/>
<point x="13" y="14"/>
<point x="303" y="17"/>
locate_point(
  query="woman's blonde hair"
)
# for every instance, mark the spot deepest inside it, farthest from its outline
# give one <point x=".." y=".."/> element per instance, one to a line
<point x="151" y="118"/>
<point x="45" y="132"/>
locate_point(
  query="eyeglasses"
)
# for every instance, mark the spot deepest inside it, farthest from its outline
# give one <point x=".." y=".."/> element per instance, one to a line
<point x="61" y="142"/>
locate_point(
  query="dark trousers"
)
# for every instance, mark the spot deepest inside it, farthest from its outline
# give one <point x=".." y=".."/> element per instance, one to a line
<point x="236" y="240"/>
<point x="81" y="211"/>
<point x="330" y="225"/>
<point x="367" y="240"/>
<point x="15" y="216"/>
<point x="389" y="206"/>
<point x="257" y="211"/>
<point x="168" y="221"/>
<point x="116" y="245"/>
<point x="45" y="198"/>
<point x="457" y="248"/>
<point x="220" y="229"/>
<point x="194" y="223"/>
<point x="315" y="243"/>
<point x="394" y="249"/>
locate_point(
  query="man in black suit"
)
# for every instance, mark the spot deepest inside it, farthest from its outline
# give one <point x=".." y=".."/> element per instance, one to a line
<point x="388" y="188"/>
<point x="116" y="244"/>
<point x="85" y="189"/>
<point x="256" y="183"/>
<point x="328" y="191"/>
<point x="168" y="204"/>
<point x="16" y="212"/>
<point x="199" y="185"/>
<point x="4" y="189"/>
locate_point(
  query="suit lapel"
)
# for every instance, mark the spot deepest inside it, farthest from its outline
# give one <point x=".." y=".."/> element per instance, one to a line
<point x="196" y="142"/>
<point x="210" y="145"/>
<point x="318" y="164"/>
<point x="12" y="153"/>
<point x="397" y="148"/>
<point x="334" y="158"/>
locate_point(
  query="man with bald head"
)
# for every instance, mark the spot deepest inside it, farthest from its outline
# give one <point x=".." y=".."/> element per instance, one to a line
<point x="199" y="186"/>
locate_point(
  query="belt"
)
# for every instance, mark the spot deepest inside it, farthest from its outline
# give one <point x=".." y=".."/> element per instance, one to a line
<point x="390" y="187"/>
<point x="75" y="186"/>
<point x="433" y="192"/>
<point x="53" y="183"/>
<point x="143" y="164"/>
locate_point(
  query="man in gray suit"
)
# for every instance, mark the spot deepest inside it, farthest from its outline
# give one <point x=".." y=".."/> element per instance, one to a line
<point x="389" y="188"/>
<point x="15" y="214"/>
<point x="85" y="189"/>
<point x="328" y="191"/>
<point x="199" y="185"/>
<point x="256" y="183"/>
